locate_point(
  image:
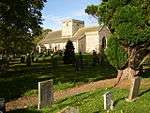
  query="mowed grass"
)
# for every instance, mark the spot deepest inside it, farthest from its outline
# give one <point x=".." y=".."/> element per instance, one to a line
<point x="92" y="102"/>
<point x="22" y="81"/>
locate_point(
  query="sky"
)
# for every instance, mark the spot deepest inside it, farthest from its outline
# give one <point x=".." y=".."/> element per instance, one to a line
<point x="56" y="11"/>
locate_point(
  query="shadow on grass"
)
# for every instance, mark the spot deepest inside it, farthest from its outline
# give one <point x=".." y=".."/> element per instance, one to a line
<point x="24" y="111"/>
<point x="117" y="101"/>
<point x="143" y="92"/>
<point x="15" y="84"/>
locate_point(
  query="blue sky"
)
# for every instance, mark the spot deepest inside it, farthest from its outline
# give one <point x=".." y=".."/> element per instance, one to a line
<point x="55" y="11"/>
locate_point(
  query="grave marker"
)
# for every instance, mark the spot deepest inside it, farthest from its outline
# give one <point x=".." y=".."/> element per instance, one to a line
<point x="108" y="102"/>
<point x="134" y="88"/>
<point x="45" y="93"/>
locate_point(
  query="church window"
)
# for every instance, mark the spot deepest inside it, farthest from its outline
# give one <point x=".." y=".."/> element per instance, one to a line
<point x="103" y="42"/>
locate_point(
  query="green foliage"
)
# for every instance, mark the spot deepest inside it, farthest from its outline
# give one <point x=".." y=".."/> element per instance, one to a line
<point x="115" y="53"/>
<point x="69" y="55"/>
<point x="92" y="9"/>
<point x="20" y="21"/>
<point x="129" y="22"/>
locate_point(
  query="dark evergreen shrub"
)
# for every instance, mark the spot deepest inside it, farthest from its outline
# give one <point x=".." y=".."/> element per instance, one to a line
<point x="69" y="55"/>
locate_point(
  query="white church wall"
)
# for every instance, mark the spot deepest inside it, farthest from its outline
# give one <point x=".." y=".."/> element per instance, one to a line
<point x="62" y="46"/>
<point x="47" y="46"/>
<point x="75" y="44"/>
<point x="92" y="41"/>
<point x="53" y="45"/>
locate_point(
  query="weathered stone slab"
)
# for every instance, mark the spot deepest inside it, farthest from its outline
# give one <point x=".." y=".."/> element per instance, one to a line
<point x="70" y="110"/>
<point x="108" y="102"/>
<point x="2" y="105"/>
<point x="135" y="84"/>
<point x="45" y="93"/>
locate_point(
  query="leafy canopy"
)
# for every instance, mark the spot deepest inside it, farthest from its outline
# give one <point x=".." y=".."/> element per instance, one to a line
<point x="19" y="21"/>
<point x="129" y="23"/>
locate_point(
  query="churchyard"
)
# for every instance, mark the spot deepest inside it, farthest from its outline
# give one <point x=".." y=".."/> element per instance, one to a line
<point x="73" y="90"/>
<point x="100" y="68"/>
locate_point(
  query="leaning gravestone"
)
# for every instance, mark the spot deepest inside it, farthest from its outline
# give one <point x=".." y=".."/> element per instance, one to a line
<point x="108" y="102"/>
<point x="134" y="88"/>
<point x="45" y="93"/>
<point x="2" y="105"/>
<point x="70" y="110"/>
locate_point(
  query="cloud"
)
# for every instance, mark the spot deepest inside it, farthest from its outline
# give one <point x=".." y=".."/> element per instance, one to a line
<point x="53" y="22"/>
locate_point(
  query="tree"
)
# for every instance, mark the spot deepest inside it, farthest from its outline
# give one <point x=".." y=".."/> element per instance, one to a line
<point x="69" y="55"/>
<point x="129" y="23"/>
<point x="19" y="22"/>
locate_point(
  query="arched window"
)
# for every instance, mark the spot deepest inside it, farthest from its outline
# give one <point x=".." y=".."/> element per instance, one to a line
<point x="103" y="42"/>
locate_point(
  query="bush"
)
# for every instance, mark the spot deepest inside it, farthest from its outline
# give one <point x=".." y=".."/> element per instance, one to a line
<point x="116" y="55"/>
<point x="69" y="55"/>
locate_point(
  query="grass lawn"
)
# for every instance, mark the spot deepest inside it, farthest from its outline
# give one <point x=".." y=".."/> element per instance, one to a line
<point x="20" y="80"/>
<point x="92" y="102"/>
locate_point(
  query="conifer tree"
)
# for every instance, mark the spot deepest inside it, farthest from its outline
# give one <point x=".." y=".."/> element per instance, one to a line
<point x="69" y="55"/>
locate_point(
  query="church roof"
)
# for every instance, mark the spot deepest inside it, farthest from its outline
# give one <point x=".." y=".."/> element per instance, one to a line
<point x="51" y="36"/>
<point x="56" y="36"/>
<point x="81" y="32"/>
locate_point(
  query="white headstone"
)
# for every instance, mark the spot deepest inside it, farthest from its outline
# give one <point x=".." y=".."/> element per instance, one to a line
<point x="134" y="88"/>
<point x="70" y="110"/>
<point x="108" y="102"/>
<point x="45" y="93"/>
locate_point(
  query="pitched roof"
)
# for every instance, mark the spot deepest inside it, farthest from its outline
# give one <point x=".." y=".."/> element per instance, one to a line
<point x="51" y="36"/>
<point x="56" y="36"/>
<point x="81" y="32"/>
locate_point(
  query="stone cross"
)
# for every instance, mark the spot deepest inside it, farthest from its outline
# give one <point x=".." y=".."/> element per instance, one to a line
<point x="2" y="105"/>
<point x="108" y="102"/>
<point x="135" y="84"/>
<point x="70" y="110"/>
<point x="45" y="93"/>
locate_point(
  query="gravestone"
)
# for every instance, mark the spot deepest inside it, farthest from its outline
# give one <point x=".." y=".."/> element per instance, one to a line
<point x="45" y="93"/>
<point x="2" y="105"/>
<point x="70" y="110"/>
<point x="135" y="84"/>
<point x="108" y="102"/>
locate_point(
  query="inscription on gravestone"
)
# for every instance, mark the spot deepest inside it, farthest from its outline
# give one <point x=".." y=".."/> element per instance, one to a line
<point x="134" y="88"/>
<point x="45" y="93"/>
<point x="108" y="102"/>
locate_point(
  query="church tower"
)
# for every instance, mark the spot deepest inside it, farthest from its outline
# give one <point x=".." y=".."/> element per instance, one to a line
<point x="70" y="27"/>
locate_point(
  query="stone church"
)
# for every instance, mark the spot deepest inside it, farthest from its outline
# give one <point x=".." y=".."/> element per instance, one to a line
<point x="85" y="39"/>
